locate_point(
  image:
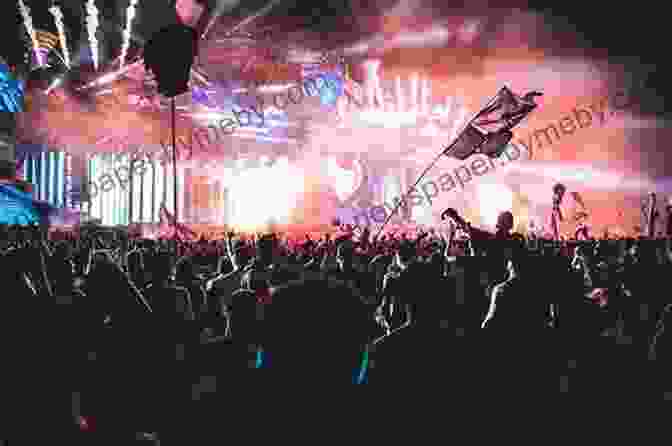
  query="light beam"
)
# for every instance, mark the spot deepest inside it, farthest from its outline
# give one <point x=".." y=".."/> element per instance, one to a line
<point x="58" y="19"/>
<point x="91" y="27"/>
<point x="130" y="15"/>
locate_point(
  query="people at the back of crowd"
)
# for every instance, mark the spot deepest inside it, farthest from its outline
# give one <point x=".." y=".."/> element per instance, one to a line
<point x="408" y="307"/>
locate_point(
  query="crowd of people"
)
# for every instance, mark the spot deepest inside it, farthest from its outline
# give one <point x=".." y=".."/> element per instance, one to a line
<point x="115" y="336"/>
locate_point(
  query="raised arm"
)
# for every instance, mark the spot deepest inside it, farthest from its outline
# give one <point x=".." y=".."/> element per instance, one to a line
<point x="461" y="223"/>
<point x="496" y="291"/>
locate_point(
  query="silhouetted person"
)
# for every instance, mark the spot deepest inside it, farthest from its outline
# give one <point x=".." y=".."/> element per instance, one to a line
<point x="516" y="345"/>
<point x="430" y="350"/>
<point x="314" y="334"/>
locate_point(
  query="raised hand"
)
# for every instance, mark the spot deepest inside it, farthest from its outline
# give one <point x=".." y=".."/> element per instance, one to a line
<point x="450" y="213"/>
<point x="454" y="216"/>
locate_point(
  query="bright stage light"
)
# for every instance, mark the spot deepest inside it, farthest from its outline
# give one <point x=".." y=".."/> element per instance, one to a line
<point x="387" y="119"/>
<point x="493" y="199"/>
<point x="344" y="180"/>
<point x="54" y="84"/>
<point x="265" y="194"/>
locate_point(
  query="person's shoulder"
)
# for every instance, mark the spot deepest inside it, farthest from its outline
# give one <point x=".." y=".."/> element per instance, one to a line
<point x="134" y="253"/>
<point x="403" y="354"/>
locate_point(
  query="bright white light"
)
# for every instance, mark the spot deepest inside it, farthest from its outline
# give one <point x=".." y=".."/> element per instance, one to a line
<point x="373" y="90"/>
<point x="91" y="27"/>
<point x="109" y="77"/>
<point x="431" y="130"/>
<point x="28" y="23"/>
<point x="343" y="180"/>
<point x="126" y="43"/>
<point x="407" y="106"/>
<point x="387" y="119"/>
<point x="265" y="194"/>
<point x="58" y="19"/>
<point x="432" y="37"/>
<point x="493" y="199"/>
<point x="55" y="83"/>
<point x="270" y="88"/>
<point x="437" y="35"/>
<point x="211" y="116"/>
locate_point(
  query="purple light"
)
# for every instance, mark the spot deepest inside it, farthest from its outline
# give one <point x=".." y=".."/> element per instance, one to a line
<point x="41" y="55"/>
<point x="199" y="95"/>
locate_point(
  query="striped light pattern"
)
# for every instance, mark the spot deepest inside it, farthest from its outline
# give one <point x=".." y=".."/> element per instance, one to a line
<point x="46" y="172"/>
<point x="134" y="200"/>
<point x="67" y="181"/>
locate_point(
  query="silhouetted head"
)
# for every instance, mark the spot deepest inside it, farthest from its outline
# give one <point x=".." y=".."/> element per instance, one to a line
<point x="345" y="253"/>
<point x="406" y="252"/>
<point x="505" y="221"/>
<point x="267" y="248"/>
<point x="163" y="267"/>
<point x="306" y="335"/>
<point x="246" y="317"/>
<point x="184" y="270"/>
<point x="517" y="258"/>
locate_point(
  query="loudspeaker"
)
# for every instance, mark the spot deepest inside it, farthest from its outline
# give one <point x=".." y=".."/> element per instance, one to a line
<point x="169" y="54"/>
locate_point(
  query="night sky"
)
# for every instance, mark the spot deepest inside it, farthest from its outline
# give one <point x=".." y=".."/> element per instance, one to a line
<point x="626" y="37"/>
<point x="617" y="30"/>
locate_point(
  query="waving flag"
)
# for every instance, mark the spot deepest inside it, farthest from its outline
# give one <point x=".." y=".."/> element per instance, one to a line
<point x="507" y="110"/>
<point x="489" y="132"/>
<point x="171" y="228"/>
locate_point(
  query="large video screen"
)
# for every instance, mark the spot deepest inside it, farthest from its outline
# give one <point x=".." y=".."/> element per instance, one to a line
<point x="16" y="207"/>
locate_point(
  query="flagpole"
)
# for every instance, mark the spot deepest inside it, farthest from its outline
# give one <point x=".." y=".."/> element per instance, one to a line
<point x="433" y="163"/>
<point x="172" y="128"/>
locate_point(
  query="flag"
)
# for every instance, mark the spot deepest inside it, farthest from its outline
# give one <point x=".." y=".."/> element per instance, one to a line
<point x="170" y="227"/>
<point x="468" y="141"/>
<point x="495" y="143"/>
<point x="506" y="111"/>
<point x="489" y="132"/>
